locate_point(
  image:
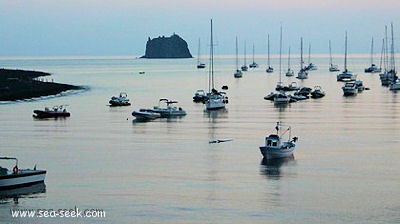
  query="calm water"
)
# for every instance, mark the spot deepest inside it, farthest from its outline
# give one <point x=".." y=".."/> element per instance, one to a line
<point x="345" y="169"/>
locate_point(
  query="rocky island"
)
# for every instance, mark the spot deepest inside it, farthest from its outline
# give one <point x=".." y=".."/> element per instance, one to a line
<point x="167" y="47"/>
<point x="22" y="84"/>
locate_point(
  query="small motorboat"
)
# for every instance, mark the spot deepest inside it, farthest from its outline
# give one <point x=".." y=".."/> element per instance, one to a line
<point x="304" y="91"/>
<point x="317" y="92"/>
<point x="145" y="115"/>
<point x="360" y="85"/>
<point x="298" y="97"/>
<point x="55" y="112"/>
<point x="16" y="178"/>
<point x="275" y="147"/>
<point x="350" y="89"/>
<point x="121" y="100"/>
<point x="346" y="76"/>
<point x="169" y="111"/>
<point x="270" y="96"/>
<point x="200" y="96"/>
<point x="281" y="98"/>
<point x="372" y="69"/>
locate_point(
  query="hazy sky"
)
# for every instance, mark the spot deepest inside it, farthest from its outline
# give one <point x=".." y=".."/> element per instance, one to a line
<point x="121" y="27"/>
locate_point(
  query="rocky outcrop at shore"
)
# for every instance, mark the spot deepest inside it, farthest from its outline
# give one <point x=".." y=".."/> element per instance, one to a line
<point x="167" y="47"/>
<point x="22" y="84"/>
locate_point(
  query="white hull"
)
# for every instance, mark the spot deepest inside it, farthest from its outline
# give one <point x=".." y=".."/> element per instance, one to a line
<point x="215" y="104"/>
<point x="346" y="76"/>
<point x="395" y="85"/>
<point x="273" y="152"/>
<point x="23" y="178"/>
<point x="302" y="75"/>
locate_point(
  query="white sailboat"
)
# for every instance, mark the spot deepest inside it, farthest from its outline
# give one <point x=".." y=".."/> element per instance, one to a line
<point x="281" y="97"/>
<point x="332" y="67"/>
<point x="395" y="81"/>
<point x="302" y="74"/>
<point x="199" y="63"/>
<point x="311" y="66"/>
<point x="373" y="68"/>
<point x="346" y="75"/>
<point x="254" y="64"/>
<point x="269" y="69"/>
<point x="238" y="73"/>
<point x="244" y="66"/>
<point x="289" y="72"/>
<point x="216" y="100"/>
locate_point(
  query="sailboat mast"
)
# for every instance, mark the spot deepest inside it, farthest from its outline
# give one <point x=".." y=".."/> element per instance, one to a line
<point x="211" y="69"/>
<point x="253" y="53"/>
<point x="301" y="53"/>
<point x="289" y="59"/>
<point x="244" y="56"/>
<point x="386" y="50"/>
<point x="198" y="54"/>
<point x="330" y="53"/>
<point x="280" y="57"/>
<point x="309" y="53"/>
<point x="382" y="53"/>
<point x="237" y="53"/>
<point x="345" y="53"/>
<point x="393" y="65"/>
<point x="372" y="50"/>
<point x="268" y="53"/>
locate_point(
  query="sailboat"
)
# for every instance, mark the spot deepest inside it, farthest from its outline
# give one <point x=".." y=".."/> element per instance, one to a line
<point x="395" y="81"/>
<point x="216" y="100"/>
<point x="244" y="66"/>
<point x="389" y="74"/>
<point x="302" y="73"/>
<point x="332" y="67"/>
<point x="310" y="66"/>
<point x="281" y="97"/>
<point x="289" y="72"/>
<point x="346" y="75"/>
<point x="373" y="68"/>
<point x="269" y="69"/>
<point x="238" y="73"/>
<point x="199" y="64"/>
<point x="254" y="64"/>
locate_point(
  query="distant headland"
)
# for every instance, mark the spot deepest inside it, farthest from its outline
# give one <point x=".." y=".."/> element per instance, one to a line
<point x="22" y="84"/>
<point x="167" y="47"/>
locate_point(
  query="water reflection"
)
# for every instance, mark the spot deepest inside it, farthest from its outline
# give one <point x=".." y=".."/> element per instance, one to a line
<point x="21" y="192"/>
<point x="213" y="114"/>
<point x="272" y="167"/>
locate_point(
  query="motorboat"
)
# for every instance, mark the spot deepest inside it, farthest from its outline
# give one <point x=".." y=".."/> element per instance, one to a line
<point x="275" y="146"/>
<point x="55" y="112"/>
<point x="16" y="177"/>
<point x="145" y="115"/>
<point x="372" y="69"/>
<point x="298" y="97"/>
<point x="121" y="100"/>
<point x="317" y="92"/>
<point x="169" y="111"/>
<point x="350" y="89"/>
<point x="360" y="85"/>
<point x="200" y="96"/>
<point x="395" y="85"/>
<point x="270" y="96"/>
<point x="304" y="91"/>
<point x="281" y="98"/>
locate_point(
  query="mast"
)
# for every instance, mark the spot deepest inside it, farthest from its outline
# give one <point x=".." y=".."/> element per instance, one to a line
<point x="301" y="53"/>
<point x="345" y="53"/>
<point x="309" y="53"/>
<point x="237" y="53"/>
<point x="198" y="54"/>
<point x="211" y="69"/>
<point x="253" y="54"/>
<point x="372" y="50"/>
<point x="289" y="59"/>
<point x="386" y="50"/>
<point x="280" y="57"/>
<point x="382" y="53"/>
<point x="330" y="53"/>
<point x="269" y="65"/>
<point x="393" y="65"/>
<point x="244" y="53"/>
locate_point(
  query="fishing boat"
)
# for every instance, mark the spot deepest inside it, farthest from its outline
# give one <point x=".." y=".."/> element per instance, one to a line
<point x="302" y="74"/>
<point x="121" y="100"/>
<point x="275" y="146"/>
<point x="238" y="73"/>
<point x="253" y="64"/>
<point x="16" y="177"/>
<point x="216" y="99"/>
<point x="346" y="75"/>
<point x="373" y="68"/>
<point x="317" y="92"/>
<point x="55" y="112"/>
<point x="200" y="65"/>
<point x="289" y="71"/>
<point x="169" y="110"/>
<point x="269" y="69"/>
<point x="200" y="96"/>
<point x="244" y="66"/>
<point x="332" y="67"/>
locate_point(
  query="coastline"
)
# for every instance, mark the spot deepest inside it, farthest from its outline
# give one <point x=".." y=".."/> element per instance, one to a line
<point x="22" y="84"/>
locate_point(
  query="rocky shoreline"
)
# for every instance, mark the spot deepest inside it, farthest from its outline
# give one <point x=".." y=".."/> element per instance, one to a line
<point x="22" y="84"/>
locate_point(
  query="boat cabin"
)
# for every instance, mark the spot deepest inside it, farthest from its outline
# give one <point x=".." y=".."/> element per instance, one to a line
<point x="272" y="140"/>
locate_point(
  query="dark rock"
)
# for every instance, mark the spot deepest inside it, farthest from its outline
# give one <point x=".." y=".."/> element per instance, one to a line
<point x="167" y="47"/>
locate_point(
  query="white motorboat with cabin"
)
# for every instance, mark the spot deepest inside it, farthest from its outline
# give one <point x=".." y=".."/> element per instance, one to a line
<point x="121" y="100"/>
<point x="346" y="75"/>
<point x="350" y="89"/>
<point x="200" y="96"/>
<point x="16" y="177"/>
<point x="275" y="146"/>
<point x="169" y="111"/>
<point x="317" y="92"/>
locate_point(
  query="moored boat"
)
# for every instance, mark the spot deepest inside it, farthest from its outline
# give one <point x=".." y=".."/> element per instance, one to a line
<point x="121" y="100"/>
<point x="275" y="146"/>
<point x="350" y="89"/>
<point x="317" y="92"/>
<point x="16" y="178"/>
<point x="200" y="96"/>
<point x="169" y="111"/>
<point x="145" y="115"/>
<point x="55" y="112"/>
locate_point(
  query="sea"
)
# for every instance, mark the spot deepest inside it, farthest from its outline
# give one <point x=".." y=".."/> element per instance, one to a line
<point x="345" y="169"/>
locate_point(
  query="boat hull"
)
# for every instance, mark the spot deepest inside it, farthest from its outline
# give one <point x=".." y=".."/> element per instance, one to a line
<point x="143" y="115"/>
<point x="274" y="152"/>
<point x="50" y="114"/>
<point x="22" y="179"/>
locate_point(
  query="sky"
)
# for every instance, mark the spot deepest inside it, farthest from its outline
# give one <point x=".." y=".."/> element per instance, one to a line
<point x="122" y="27"/>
